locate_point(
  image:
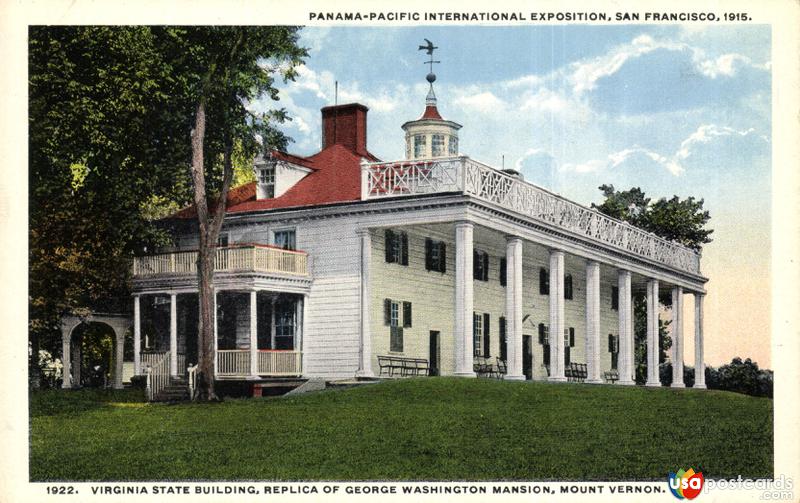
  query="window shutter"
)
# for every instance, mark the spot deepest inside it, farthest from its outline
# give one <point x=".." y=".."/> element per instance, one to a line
<point x="566" y="356"/>
<point x="616" y="343"/>
<point x="544" y="282"/>
<point x="610" y="343"/>
<point x="485" y="267"/>
<point x="486" y="336"/>
<point x="503" y="271"/>
<point x="442" y="257"/>
<point x="546" y="356"/>
<point x="503" y="342"/>
<point x="387" y="311"/>
<point x="542" y="339"/>
<point x="407" y="314"/>
<point x="571" y="337"/>
<point x="568" y="287"/>
<point x="388" y="243"/>
<point x="476" y="259"/>
<point x="428" y="254"/>
<point x="403" y="248"/>
<point x="615" y="298"/>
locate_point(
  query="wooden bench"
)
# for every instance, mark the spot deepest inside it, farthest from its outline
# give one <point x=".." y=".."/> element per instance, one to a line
<point x="611" y="376"/>
<point x="401" y="366"/>
<point x="575" y="372"/>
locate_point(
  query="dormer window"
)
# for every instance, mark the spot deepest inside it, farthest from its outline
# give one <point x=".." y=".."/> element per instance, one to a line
<point x="437" y="145"/>
<point x="419" y="146"/>
<point x="266" y="178"/>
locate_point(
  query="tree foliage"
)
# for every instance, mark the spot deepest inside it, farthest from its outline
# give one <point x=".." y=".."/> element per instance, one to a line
<point x="680" y="220"/>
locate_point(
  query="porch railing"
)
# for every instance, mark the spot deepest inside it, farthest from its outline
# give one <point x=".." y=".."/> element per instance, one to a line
<point x="466" y="176"/>
<point x="254" y="257"/>
<point x="157" y="375"/>
<point x="279" y="363"/>
<point x="236" y="362"/>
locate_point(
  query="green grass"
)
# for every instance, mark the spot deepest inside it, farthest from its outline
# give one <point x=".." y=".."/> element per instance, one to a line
<point x="415" y="429"/>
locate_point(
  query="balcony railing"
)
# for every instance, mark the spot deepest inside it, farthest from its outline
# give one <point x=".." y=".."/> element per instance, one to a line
<point x="464" y="175"/>
<point x="236" y="362"/>
<point x="259" y="258"/>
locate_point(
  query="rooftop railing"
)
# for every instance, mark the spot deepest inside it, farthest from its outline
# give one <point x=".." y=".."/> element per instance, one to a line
<point x="464" y="175"/>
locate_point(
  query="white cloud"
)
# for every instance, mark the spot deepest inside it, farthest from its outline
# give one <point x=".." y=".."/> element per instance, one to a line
<point x="485" y="102"/>
<point x="672" y="163"/>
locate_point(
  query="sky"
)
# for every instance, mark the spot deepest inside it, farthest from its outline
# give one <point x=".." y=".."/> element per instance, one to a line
<point x="671" y="109"/>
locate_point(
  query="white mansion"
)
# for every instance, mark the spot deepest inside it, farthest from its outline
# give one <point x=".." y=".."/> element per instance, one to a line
<point x="329" y="261"/>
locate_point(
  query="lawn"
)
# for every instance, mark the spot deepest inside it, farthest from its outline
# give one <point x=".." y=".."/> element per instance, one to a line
<point x="414" y="429"/>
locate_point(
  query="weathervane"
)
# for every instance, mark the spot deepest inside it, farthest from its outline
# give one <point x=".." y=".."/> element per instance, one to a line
<point x="431" y="77"/>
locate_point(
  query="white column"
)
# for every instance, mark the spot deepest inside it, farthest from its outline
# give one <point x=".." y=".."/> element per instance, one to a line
<point x="699" y="364"/>
<point x="254" y="333"/>
<point x="514" y="309"/>
<point x="677" y="337"/>
<point x="66" y="357"/>
<point x="365" y="351"/>
<point x="625" y="365"/>
<point x="652" y="334"/>
<point x="593" y="322"/>
<point x="272" y="331"/>
<point x="119" y="355"/>
<point x="137" y="337"/>
<point x="463" y="301"/>
<point x="557" y="316"/>
<point x="300" y="344"/>
<point x="173" y="334"/>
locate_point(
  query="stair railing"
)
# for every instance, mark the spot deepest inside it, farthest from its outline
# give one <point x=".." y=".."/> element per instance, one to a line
<point x="157" y="376"/>
<point x="192" y="372"/>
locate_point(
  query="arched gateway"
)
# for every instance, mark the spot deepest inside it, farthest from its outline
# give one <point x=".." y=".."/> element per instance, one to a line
<point x="120" y="323"/>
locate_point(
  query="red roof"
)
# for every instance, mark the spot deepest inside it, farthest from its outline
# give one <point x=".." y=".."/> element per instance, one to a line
<point x="431" y="113"/>
<point x="335" y="178"/>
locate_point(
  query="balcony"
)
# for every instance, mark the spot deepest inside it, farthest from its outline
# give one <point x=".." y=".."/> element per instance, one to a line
<point x="464" y="175"/>
<point x="232" y="259"/>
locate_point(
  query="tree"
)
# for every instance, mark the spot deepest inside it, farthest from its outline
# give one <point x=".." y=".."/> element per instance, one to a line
<point x="680" y="220"/>
<point x="229" y="67"/>
<point x="104" y="123"/>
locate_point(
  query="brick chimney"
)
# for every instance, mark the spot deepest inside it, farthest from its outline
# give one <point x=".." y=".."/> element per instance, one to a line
<point x="345" y="125"/>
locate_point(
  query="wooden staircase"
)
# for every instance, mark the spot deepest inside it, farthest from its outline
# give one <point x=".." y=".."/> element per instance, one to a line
<point x="176" y="391"/>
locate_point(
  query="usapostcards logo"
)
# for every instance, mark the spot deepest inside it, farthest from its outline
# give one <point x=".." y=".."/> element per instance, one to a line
<point x="685" y="484"/>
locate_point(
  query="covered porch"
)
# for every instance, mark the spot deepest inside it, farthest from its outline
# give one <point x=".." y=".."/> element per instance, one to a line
<point x="260" y="294"/>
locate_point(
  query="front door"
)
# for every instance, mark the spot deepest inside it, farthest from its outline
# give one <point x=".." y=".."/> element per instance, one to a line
<point x="433" y="353"/>
<point x="527" y="356"/>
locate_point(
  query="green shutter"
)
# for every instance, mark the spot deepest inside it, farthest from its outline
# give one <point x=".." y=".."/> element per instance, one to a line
<point x="571" y="337"/>
<point x="407" y="314"/>
<point x="610" y="343"/>
<point x="428" y="254"/>
<point x="403" y="248"/>
<point x="442" y="257"/>
<point x="485" y="267"/>
<point x="387" y="311"/>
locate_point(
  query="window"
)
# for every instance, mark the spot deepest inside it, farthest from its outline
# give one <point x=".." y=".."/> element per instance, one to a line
<point x="503" y="267"/>
<point x="569" y="342"/>
<point x="544" y="340"/>
<point x="435" y="255"/>
<point x="266" y="178"/>
<point x="452" y="145"/>
<point x="613" y="348"/>
<point x="437" y="145"/>
<point x="222" y="240"/>
<point x="544" y="282"/>
<point x="503" y="342"/>
<point x="615" y="298"/>
<point x="393" y="310"/>
<point x="284" y="239"/>
<point x="396" y="247"/>
<point x="284" y="325"/>
<point x="419" y="146"/>
<point x="480" y="334"/>
<point x="568" y="286"/>
<point x="480" y="265"/>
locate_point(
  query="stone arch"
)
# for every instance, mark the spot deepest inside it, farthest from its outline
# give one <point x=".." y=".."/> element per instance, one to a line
<point x="119" y="323"/>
